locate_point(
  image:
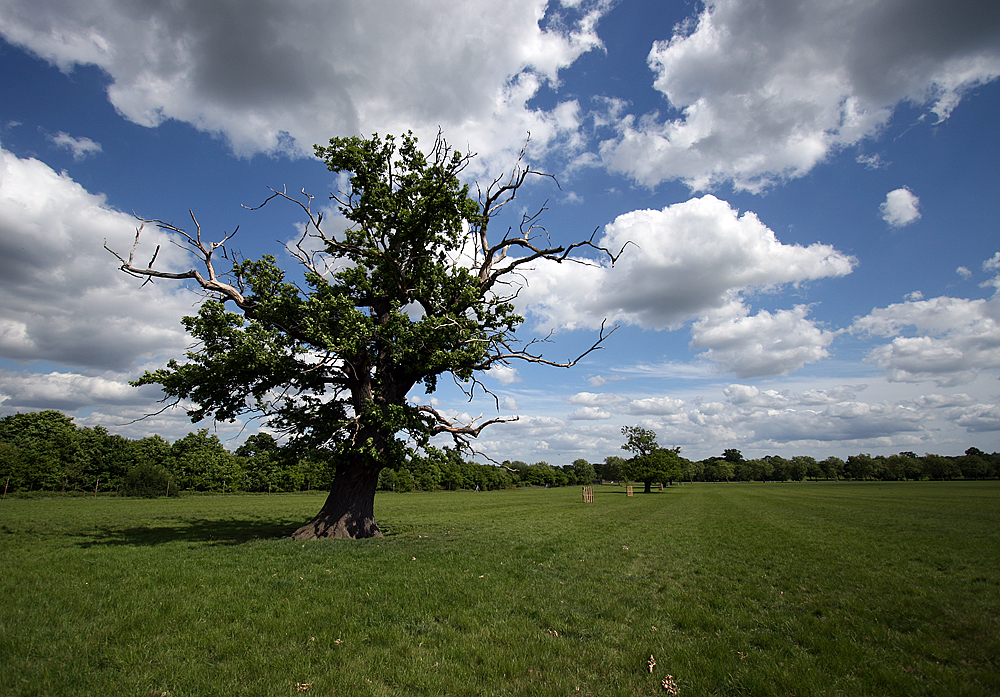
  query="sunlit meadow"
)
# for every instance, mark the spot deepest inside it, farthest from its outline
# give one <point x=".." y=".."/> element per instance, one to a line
<point x="702" y="589"/>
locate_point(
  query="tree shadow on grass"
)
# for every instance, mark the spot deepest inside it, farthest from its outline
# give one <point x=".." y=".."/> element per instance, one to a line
<point x="232" y="531"/>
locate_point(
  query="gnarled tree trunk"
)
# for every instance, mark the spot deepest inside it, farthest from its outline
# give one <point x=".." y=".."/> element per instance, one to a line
<point x="349" y="511"/>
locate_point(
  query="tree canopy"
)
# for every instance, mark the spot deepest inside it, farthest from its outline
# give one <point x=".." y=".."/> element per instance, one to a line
<point x="416" y="287"/>
<point x="649" y="462"/>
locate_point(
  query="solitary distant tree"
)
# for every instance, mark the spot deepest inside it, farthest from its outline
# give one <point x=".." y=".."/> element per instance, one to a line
<point x="649" y="463"/>
<point x="418" y="286"/>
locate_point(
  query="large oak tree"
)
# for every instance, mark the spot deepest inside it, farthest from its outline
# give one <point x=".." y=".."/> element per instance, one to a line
<point x="417" y="287"/>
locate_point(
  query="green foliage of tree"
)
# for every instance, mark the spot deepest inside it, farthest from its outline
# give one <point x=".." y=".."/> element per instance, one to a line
<point x="726" y="470"/>
<point x="539" y="474"/>
<point x="43" y="450"/>
<point x="456" y="473"/>
<point x="973" y="466"/>
<point x="415" y="288"/>
<point x="833" y="467"/>
<point x="611" y="469"/>
<point x="267" y="466"/>
<point x="716" y="469"/>
<point x="693" y="470"/>
<point x="149" y="481"/>
<point x="639" y="441"/>
<point x="803" y="466"/>
<point x="103" y="458"/>
<point x="444" y="468"/>
<point x="583" y="472"/>
<point x="860" y="466"/>
<point x="650" y="463"/>
<point x="781" y="469"/>
<point x="732" y="455"/>
<point x="812" y="468"/>
<point x="893" y="468"/>
<point x="940" y="467"/>
<point x="154" y="450"/>
<point x="313" y="469"/>
<point x="404" y="480"/>
<point x="759" y="469"/>
<point x="389" y="480"/>
<point x="426" y="474"/>
<point x="199" y="461"/>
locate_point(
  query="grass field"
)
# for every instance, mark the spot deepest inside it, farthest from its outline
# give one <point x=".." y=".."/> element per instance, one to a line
<point x="734" y="589"/>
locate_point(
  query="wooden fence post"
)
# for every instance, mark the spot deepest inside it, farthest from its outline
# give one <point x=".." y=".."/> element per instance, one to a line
<point x="628" y="490"/>
<point x="588" y="494"/>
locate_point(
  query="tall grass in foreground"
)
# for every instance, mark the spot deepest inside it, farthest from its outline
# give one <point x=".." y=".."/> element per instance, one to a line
<point x="735" y="589"/>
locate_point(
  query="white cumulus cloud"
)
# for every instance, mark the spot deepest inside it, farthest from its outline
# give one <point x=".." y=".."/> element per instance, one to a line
<point x="660" y="406"/>
<point x="510" y="404"/>
<point x="759" y="345"/>
<point x="993" y="265"/>
<point x="900" y="208"/>
<point x="62" y="298"/>
<point x="71" y="391"/>
<point x="694" y="261"/>
<point x="760" y="90"/>
<point x="979" y="418"/>
<point x="504" y="374"/>
<point x="944" y="340"/>
<point x="80" y="147"/>
<point x="276" y="76"/>
<point x="679" y="263"/>
<point x="592" y="399"/>
<point x="590" y="414"/>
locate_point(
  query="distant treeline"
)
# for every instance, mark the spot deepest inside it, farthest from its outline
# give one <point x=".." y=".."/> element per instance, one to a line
<point x="731" y="466"/>
<point x="46" y="451"/>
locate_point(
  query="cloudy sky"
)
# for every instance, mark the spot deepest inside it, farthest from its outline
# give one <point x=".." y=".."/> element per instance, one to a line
<point x="809" y="187"/>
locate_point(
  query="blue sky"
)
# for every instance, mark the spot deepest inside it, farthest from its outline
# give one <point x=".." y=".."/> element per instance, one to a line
<point x="809" y="187"/>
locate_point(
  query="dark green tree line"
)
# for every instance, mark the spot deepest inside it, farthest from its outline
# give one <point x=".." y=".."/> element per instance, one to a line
<point x="907" y="465"/>
<point x="46" y="451"/>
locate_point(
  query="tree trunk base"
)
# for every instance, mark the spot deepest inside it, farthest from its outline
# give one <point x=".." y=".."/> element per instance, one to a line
<point x="349" y="511"/>
<point x="324" y="527"/>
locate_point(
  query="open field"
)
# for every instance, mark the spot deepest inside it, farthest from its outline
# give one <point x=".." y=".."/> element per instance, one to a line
<point x="735" y="589"/>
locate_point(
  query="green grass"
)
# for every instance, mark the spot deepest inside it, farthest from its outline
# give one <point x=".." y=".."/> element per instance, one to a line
<point x="735" y="589"/>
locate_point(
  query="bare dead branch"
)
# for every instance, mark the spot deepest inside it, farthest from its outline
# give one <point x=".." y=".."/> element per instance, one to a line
<point x="524" y="354"/>
<point x="438" y="424"/>
<point x="171" y="405"/>
<point x="212" y="283"/>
